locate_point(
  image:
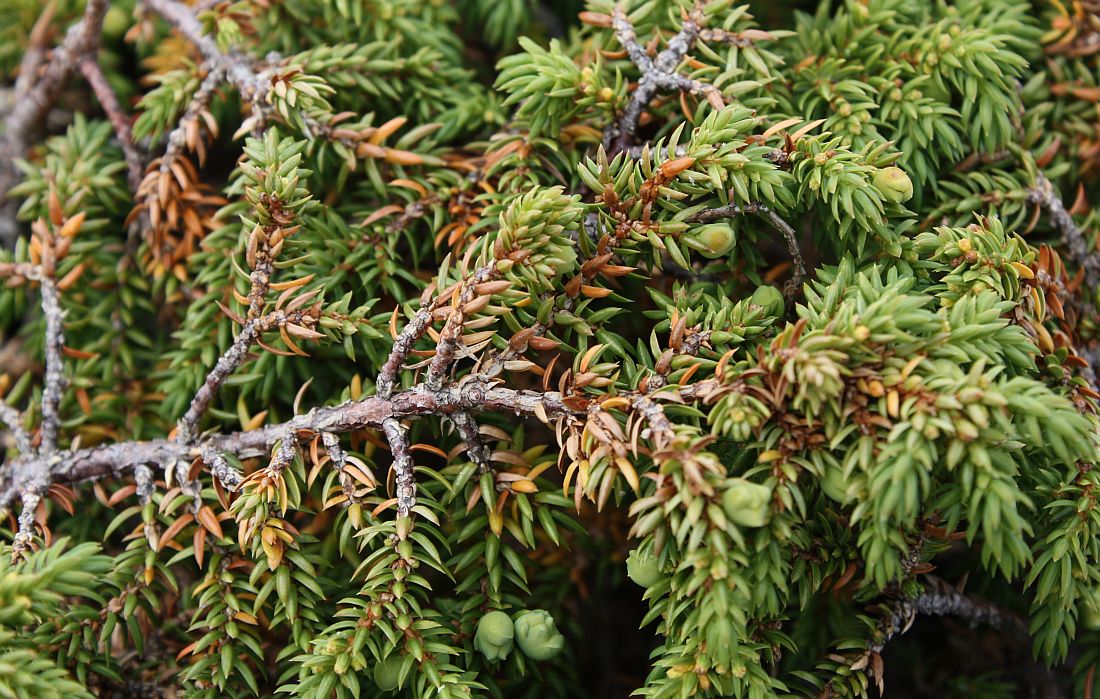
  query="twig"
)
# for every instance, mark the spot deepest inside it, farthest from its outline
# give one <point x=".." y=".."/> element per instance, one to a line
<point x="35" y="53"/>
<point x="264" y="246"/>
<point x="288" y="449"/>
<point x="242" y="70"/>
<point x="409" y="335"/>
<point x="658" y="73"/>
<point x="38" y="94"/>
<point x="452" y="329"/>
<point x="24" y="534"/>
<point x="415" y="329"/>
<point x="777" y="222"/>
<point x="339" y="459"/>
<point x="200" y="101"/>
<point x="948" y="601"/>
<point x="55" y="377"/>
<point x="13" y="420"/>
<point x="727" y="211"/>
<point x="93" y="73"/>
<point x="221" y="469"/>
<point x="143" y="479"/>
<point x="467" y="429"/>
<point x="28" y="112"/>
<point x="1042" y="194"/>
<point x="404" y="481"/>
<point x="474" y="394"/>
<point x="229" y="362"/>
<point x="660" y="427"/>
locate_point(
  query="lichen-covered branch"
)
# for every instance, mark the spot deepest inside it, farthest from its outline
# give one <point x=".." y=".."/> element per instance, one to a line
<point x="468" y="431"/>
<point x="13" y="421"/>
<point x="659" y="73"/>
<point x="230" y="361"/>
<point x="24" y="533"/>
<point x="1042" y="194"/>
<point x="55" y="376"/>
<point x="404" y="481"/>
<point x="474" y="394"/>
<point x="242" y="70"/>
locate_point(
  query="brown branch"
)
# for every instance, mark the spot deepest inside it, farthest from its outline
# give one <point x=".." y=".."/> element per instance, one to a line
<point x="93" y="73"/>
<point x="1042" y="194"/>
<point x="35" y="54"/>
<point x="30" y="110"/>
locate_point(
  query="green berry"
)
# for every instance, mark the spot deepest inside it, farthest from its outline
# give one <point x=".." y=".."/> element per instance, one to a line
<point x="643" y="568"/>
<point x="537" y="636"/>
<point x="770" y="298"/>
<point x="746" y="503"/>
<point x="712" y="240"/>
<point x="494" y="636"/>
<point x="893" y="184"/>
<point x="387" y="674"/>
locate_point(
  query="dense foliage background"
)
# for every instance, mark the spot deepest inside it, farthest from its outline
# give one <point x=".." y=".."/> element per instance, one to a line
<point x="434" y="348"/>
